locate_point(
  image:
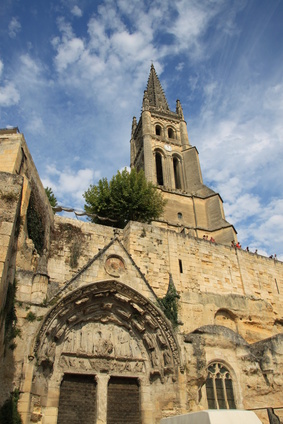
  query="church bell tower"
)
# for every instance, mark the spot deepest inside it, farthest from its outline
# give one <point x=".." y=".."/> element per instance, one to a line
<point x="160" y="146"/>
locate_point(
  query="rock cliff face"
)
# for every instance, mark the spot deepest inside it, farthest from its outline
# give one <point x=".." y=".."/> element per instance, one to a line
<point x="92" y="314"/>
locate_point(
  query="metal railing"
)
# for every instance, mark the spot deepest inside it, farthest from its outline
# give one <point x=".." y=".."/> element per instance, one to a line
<point x="272" y="416"/>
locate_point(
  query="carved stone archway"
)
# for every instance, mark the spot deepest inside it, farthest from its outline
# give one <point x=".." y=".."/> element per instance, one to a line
<point x="107" y="327"/>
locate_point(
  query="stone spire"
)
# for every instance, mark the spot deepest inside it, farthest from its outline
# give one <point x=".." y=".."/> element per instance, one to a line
<point x="155" y="91"/>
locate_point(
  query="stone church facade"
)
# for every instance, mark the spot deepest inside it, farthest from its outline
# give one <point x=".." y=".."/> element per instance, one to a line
<point x="94" y="340"/>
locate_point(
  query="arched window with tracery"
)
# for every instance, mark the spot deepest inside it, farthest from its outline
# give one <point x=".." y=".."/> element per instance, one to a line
<point x="177" y="172"/>
<point x="219" y="387"/>
<point x="159" y="170"/>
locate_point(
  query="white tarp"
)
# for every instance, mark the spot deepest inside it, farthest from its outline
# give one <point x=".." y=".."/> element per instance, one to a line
<point x="214" y="416"/>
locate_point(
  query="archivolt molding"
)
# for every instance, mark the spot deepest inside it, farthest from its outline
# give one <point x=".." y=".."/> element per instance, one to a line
<point x="83" y="315"/>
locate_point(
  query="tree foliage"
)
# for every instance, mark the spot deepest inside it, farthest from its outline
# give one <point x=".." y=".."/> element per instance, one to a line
<point x="35" y="222"/>
<point x="169" y="303"/>
<point x="9" y="411"/>
<point x="127" y="197"/>
<point x="51" y="197"/>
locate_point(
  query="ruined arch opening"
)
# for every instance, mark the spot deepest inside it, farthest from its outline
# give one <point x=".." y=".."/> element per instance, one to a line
<point x="226" y="318"/>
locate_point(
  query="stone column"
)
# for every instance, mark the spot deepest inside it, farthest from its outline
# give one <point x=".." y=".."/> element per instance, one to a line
<point x="102" y="390"/>
<point x="147" y="139"/>
<point x="40" y="281"/>
<point x="147" y="406"/>
<point x="24" y="400"/>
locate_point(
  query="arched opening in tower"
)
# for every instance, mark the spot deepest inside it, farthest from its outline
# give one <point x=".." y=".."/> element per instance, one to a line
<point x="177" y="173"/>
<point x="159" y="171"/>
<point x="158" y="130"/>
<point x="170" y="133"/>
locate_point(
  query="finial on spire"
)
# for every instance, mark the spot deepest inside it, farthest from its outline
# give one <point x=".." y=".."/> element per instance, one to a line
<point x="145" y="103"/>
<point x="179" y="109"/>
<point x="134" y="125"/>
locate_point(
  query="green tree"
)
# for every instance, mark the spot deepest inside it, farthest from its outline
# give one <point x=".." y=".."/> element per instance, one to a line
<point x="127" y="197"/>
<point x="51" y="197"/>
<point x="9" y="410"/>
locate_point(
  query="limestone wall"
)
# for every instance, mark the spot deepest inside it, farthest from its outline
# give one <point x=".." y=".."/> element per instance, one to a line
<point x="209" y="277"/>
<point x="219" y="288"/>
<point x="10" y="200"/>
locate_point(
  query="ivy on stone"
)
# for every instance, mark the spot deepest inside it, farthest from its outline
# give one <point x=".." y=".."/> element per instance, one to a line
<point x="10" y="317"/>
<point x="35" y="224"/>
<point x="169" y="303"/>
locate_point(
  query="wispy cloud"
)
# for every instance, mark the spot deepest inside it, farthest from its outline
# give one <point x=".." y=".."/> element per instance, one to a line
<point x="69" y="184"/>
<point x="9" y="95"/>
<point x="14" y="27"/>
<point x="76" y="11"/>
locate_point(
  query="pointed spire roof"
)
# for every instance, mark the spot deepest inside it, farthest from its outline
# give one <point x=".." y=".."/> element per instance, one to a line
<point x="155" y="91"/>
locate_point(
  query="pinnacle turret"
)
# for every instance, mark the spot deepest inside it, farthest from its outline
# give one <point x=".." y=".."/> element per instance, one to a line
<point x="155" y="91"/>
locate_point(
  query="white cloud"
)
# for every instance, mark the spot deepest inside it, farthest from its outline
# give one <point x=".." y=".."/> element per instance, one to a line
<point x="35" y="124"/>
<point x="241" y="147"/>
<point x="265" y="231"/>
<point x="68" y="185"/>
<point x="273" y="99"/>
<point x="76" y="11"/>
<point x="180" y="66"/>
<point x="122" y="41"/>
<point x="14" y="27"/>
<point x="247" y="205"/>
<point x="31" y="69"/>
<point x="69" y="53"/>
<point x="9" y="95"/>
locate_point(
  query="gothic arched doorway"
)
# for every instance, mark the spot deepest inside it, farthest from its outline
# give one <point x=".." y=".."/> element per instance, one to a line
<point x="101" y="334"/>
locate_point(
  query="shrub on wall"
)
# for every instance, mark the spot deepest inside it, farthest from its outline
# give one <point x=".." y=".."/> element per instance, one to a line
<point x="35" y="222"/>
<point x="169" y="304"/>
<point x="9" y="312"/>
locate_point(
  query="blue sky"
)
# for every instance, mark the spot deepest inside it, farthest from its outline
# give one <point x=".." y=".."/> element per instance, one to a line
<point x="72" y="75"/>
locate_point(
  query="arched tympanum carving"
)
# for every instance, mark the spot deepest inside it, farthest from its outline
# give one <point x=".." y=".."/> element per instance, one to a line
<point x="107" y="326"/>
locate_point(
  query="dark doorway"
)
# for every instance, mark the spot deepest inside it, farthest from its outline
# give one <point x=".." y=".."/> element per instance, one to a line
<point x="77" y="403"/>
<point x="123" y="403"/>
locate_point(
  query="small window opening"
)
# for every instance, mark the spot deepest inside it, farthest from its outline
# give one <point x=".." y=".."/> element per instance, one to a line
<point x="177" y="173"/>
<point x="158" y="130"/>
<point x="159" y="171"/>
<point x="170" y="133"/>
<point x="180" y="215"/>
<point x="180" y="266"/>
